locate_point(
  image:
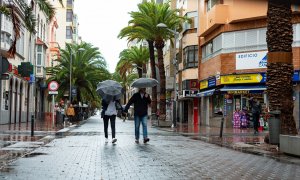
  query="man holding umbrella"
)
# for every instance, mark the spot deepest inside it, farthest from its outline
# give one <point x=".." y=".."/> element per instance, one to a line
<point x="141" y="100"/>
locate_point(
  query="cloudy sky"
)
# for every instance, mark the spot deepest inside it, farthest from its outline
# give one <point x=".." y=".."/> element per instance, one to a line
<point x="100" y="22"/>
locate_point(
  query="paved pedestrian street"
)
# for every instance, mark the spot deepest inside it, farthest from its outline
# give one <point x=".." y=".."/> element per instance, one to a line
<point x="82" y="154"/>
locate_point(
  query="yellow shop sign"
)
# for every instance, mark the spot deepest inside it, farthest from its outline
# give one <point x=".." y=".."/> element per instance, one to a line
<point x="203" y="84"/>
<point x="241" y="78"/>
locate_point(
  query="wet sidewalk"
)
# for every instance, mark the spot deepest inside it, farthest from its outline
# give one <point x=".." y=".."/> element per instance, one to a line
<point x="17" y="140"/>
<point x="243" y="140"/>
<point x="82" y="153"/>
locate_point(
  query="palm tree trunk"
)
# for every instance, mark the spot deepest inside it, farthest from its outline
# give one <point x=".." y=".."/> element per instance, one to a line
<point x="280" y="62"/>
<point x="153" y="75"/>
<point x="162" y="100"/>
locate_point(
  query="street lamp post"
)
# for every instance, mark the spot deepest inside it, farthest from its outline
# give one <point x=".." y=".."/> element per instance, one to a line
<point x="162" y="25"/>
<point x="71" y="63"/>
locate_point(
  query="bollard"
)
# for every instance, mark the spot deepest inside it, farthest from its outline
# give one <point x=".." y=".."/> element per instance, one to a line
<point x="221" y="129"/>
<point x="32" y="125"/>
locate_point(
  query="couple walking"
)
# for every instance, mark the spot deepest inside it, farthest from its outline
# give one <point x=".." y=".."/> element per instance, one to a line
<point x="140" y="100"/>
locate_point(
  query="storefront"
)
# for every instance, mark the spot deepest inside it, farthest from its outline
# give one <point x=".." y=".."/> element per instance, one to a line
<point x="189" y="102"/>
<point x="234" y="93"/>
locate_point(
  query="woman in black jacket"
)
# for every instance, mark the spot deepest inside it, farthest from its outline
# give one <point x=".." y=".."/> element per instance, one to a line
<point x="109" y="112"/>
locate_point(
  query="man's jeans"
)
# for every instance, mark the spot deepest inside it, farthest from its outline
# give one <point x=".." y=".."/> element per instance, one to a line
<point x="137" y="122"/>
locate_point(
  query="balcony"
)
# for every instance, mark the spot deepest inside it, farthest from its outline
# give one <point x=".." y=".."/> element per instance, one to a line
<point x="213" y="18"/>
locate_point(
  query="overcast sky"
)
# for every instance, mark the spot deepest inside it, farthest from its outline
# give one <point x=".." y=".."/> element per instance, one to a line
<point x="100" y="22"/>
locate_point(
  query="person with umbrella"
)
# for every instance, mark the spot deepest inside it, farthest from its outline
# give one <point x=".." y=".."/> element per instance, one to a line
<point x="110" y="91"/>
<point x="141" y="100"/>
<point x="109" y="112"/>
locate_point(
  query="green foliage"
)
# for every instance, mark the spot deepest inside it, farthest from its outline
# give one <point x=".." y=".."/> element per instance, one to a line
<point x="135" y="57"/>
<point x="88" y="69"/>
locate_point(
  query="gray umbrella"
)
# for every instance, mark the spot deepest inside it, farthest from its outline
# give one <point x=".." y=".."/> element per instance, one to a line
<point x="144" y="83"/>
<point x="110" y="90"/>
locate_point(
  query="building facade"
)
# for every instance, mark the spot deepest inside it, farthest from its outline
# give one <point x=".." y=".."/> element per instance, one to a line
<point x="233" y="58"/>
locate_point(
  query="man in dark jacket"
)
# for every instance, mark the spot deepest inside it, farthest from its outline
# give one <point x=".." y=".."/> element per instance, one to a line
<point x="256" y="110"/>
<point x="141" y="100"/>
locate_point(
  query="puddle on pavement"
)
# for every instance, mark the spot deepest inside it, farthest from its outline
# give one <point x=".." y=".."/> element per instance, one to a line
<point x="34" y="154"/>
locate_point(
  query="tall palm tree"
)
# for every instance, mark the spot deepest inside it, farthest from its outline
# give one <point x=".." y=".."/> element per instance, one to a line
<point x="135" y="57"/>
<point x="88" y="68"/>
<point x="280" y="62"/>
<point x="135" y="32"/>
<point x="148" y="17"/>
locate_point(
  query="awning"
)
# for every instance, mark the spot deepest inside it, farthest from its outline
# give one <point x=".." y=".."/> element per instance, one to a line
<point x="206" y="93"/>
<point x="244" y="88"/>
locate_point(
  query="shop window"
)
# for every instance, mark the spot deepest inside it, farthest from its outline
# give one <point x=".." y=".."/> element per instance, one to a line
<point x="218" y="105"/>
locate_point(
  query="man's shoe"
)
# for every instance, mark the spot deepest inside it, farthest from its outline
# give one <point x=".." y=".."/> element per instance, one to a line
<point x="146" y="140"/>
<point x="114" y="140"/>
<point x="137" y="141"/>
<point x="106" y="140"/>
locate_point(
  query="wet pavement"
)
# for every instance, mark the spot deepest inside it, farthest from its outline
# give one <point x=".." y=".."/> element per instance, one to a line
<point x="16" y="139"/>
<point x="81" y="153"/>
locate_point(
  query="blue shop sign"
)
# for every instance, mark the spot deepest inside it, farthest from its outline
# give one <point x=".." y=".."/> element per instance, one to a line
<point x="295" y="77"/>
<point x="212" y="82"/>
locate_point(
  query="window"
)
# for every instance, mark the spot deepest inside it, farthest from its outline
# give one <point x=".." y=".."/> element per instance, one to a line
<point x="218" y="105"/>
<point x="69" y="32"/>
<point x="69" y="2"/>
<point x="69" y="16"/>
<point x="190" y="54"/>
<point x="194" y="20"/>
<point x="40" y="57"/>
<point x="210" y="4"/>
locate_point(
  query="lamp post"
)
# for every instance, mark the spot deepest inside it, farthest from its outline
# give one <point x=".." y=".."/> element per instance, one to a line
<point x="162" y="25"/>
<point x="71" y="63"/>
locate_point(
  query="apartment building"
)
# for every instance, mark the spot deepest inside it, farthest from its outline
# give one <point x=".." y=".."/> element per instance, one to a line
<point x="187" y="76"/>
<point x="23" y="96"/>
<point x="232" y="58"/>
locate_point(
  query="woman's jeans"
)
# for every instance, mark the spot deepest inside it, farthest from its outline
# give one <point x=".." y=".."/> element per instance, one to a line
<point x="137" y="121"/>
<point x="112" y="124"/>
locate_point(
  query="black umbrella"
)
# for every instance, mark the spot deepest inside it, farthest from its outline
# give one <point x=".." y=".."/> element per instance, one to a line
<point x="144" y="83"/>
<point x="110" y="90"/>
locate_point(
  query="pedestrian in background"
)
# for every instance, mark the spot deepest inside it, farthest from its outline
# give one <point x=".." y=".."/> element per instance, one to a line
<point x="70" y="113"/>
<point x="141" y="100"/>
<point x="62" y="112"/>
<point x="109" y="113"/>
<point x="256" y="110"/>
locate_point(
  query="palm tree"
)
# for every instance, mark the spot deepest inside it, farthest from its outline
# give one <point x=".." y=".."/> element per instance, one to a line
<point x="88" y="68"/>
<point x="124" y="80"/>
<point x="147" y="18"/>
<point x="135" y="57"/>
<point x="133" y="32"/>
<point x="280" y="62"/>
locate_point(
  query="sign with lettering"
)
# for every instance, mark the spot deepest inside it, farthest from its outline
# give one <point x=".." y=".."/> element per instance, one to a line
<point x="241" y="78"/>
<point x="211" y="82"/>
<point x="251" y="60"/>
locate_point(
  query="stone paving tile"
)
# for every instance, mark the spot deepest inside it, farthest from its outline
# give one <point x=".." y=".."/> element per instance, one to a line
<point x="83" y="154"/>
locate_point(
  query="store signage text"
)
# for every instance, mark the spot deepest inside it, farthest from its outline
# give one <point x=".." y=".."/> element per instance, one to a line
<point x="251" y="60"/>
<point x="241" y="78"/>
<point x="211" y="82"/>
<point x="239" y="92"/>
